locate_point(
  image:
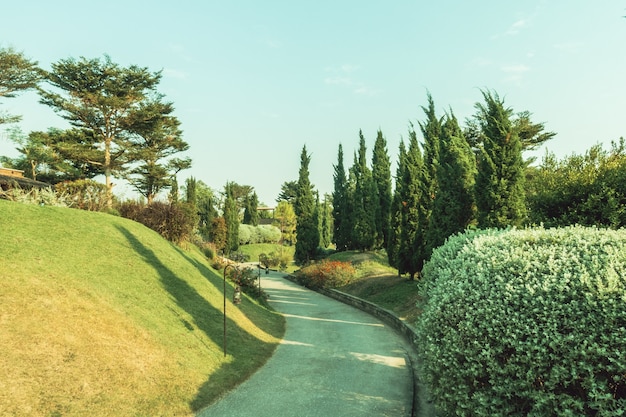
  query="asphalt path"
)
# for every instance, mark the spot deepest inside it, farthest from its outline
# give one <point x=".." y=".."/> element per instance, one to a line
<point x="334" y="360"/>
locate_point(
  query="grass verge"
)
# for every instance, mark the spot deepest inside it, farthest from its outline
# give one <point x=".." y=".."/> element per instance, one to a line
<point x="101" y="316"/>
<point x="377" y="282"/>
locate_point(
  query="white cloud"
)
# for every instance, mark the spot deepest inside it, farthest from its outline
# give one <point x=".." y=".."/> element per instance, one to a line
<point x="515" y="73"/>
<point x="515" y="28"/>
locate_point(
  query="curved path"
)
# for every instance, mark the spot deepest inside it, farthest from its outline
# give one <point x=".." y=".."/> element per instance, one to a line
<point x="334" y="360"/>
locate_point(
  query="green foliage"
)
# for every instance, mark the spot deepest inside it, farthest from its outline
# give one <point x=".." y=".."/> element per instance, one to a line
<point x="263" y="233"/>
<point x="411" y="246"/>
<point x="285" y="220"/>
<point x="500" y="197"/>
<point x="587" y="189"/>
<point x="231" y="218"/>
<point x="17" y="74"/>
<point x="397" y="209"/>
<point x="526" y="322"/>
<point x="307" y="232"/>
<point x="453" y="205"/>
<point x="173" y="221"/>
<point x="341" y="207"/>
<point x="84" y="194"/>
<point x="364" y="201"/>
<point x="326" y="274"/>
<point x="39" y="196"/>
<point x="155" y="137"/>
<point x="251" y="214"/>
<point x="381" y="174"/>
<point x="103" y="101"/>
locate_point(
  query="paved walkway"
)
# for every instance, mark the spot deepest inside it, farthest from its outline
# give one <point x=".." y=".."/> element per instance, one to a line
<point x="334" y="360"/>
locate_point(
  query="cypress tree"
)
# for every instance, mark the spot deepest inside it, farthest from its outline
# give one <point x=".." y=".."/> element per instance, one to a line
<point x="251" y="213"/>
<point x="231" y="218"/>
<point x="397" y="209"/>
<point x="453" y="207"/>
<point x="500" y="198"/>
<point x="365" y="200"/>
<point x="341" y="214"/>
<point x="381" y="173"/>
<point x="411" y="248"/>
<point x="326" y="237"/>
<point x="431" y="130"/>
<point x="307" y="232"/>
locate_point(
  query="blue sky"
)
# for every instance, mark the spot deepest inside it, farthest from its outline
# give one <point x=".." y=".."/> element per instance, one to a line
<point x="255" y="81"/>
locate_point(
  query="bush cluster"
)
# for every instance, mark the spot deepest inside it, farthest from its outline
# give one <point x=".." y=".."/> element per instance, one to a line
<point x="326" y="274"/>
<point x="175" y="221"/>
<point x="84" y="194"/>
<point x="39" y="196"/>
<point x="263" y="233"/>
<point x="526" y="322"/>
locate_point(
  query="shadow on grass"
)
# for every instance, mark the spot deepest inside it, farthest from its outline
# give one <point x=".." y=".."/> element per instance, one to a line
<point x="210" y="321"/>
<point x="248" y="308"/>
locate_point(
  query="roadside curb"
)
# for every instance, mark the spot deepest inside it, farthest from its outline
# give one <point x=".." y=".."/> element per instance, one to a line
<point x="422" y="406"/>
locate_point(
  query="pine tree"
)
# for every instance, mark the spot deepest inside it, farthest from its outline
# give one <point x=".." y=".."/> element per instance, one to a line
<point x="101" y="99"/>
<point x="397" y="210"/>
<point x="381" y="173"/>
<point x="17" y="74"/>
<point x="365" y="200"/>
<point x="307" y="233"/>
<point x="500" y="198"/>
<point x="341" y="211"/>
<point x="453" y="207"/>
<point x="411" y="248"/>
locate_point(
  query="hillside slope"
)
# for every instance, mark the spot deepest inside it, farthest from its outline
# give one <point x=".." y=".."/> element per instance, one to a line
<point x="100" y="316"/>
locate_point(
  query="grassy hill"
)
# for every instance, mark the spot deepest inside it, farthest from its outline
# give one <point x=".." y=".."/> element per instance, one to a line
<point x="380" y="284"/>
<point x="100" y="316"/>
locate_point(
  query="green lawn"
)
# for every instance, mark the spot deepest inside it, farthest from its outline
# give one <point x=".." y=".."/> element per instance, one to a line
<point x="380" y="284"/>
<point x="100" y="315"/>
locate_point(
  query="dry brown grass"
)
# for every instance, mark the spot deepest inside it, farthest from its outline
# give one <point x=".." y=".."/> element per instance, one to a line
<point x="101" y="317"/>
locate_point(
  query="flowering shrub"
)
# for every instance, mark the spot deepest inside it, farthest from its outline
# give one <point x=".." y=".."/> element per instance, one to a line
<point x="326" y="274"/>
<point x="526" y="322"/>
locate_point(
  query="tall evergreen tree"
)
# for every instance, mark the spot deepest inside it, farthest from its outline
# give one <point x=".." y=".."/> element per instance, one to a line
<point x="381" y="173"/>
<point x="231" y="219"/>
<point x="500" y="197"/>
<point x="251" y="213"/>
<point x="397" y="210"/>
<point x="411" y="248"/>
<point x="341" y="212"/>
<point x="207" y="212"/>
<point x="365" y="201"/>
<point x="431" y="131"/>
<point x="453" y="207"/>
<point x="326" y="237"/>
<point x="307" y="233"/>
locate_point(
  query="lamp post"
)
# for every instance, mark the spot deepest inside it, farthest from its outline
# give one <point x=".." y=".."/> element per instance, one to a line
<point x="259" y="271"/>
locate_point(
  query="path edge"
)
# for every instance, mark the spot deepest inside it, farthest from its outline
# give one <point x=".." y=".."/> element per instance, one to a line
<point x="422" y="405"/>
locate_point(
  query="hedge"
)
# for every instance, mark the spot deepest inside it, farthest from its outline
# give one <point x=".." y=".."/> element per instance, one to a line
<point x="526" y="323"/>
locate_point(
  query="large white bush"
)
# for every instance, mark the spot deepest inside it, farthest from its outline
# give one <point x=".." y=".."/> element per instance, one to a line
<point x="526" y="322"/>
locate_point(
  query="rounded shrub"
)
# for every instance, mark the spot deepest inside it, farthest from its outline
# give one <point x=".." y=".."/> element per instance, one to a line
<point x="526" y="323"/>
